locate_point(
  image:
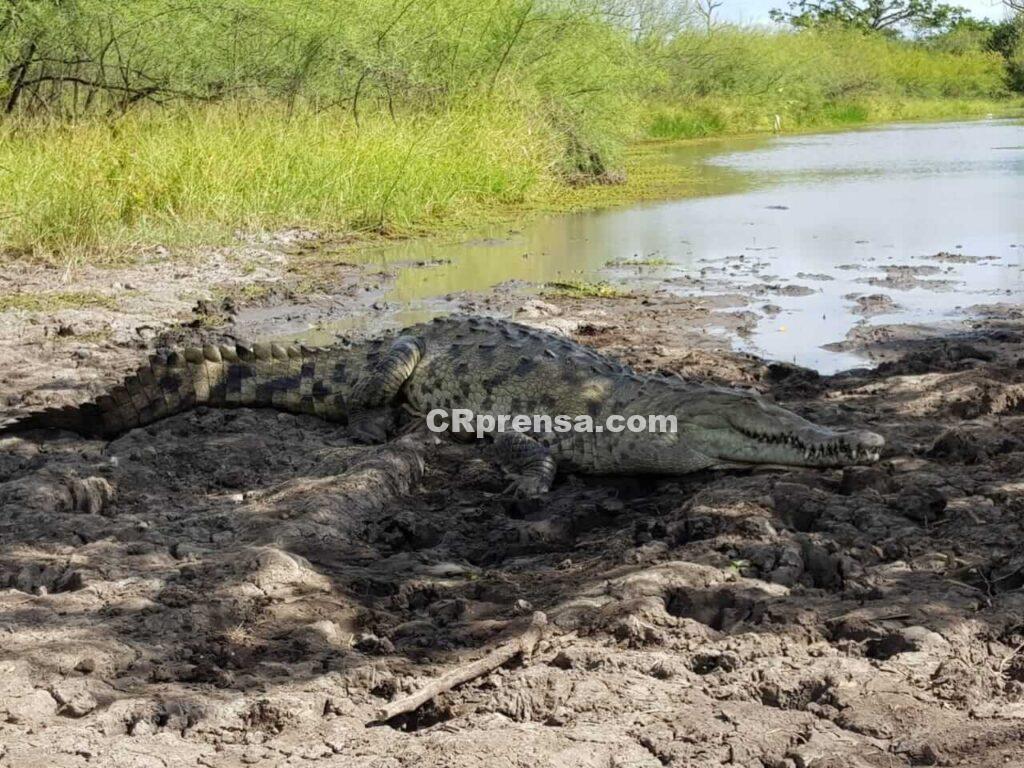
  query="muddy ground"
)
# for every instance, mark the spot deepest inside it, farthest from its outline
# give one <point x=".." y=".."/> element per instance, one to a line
<point x="232" y="588"/>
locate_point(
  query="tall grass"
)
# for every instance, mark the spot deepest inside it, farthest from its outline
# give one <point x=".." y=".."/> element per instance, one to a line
<point x="197" y="172"/>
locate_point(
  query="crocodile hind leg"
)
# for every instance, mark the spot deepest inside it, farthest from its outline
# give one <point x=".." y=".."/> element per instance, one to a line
<point x="529" y="459"/>
<point x="372" y="425"/>
<point x="370" y="415"/>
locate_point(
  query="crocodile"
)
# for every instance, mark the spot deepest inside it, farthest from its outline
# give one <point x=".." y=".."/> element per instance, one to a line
<point x="484" y="366"/>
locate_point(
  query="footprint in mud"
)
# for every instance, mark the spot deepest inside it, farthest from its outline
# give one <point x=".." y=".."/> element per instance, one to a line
<point x="724" y="610"/>
<point x="41" y="578"/>
<point x="799" y="560"/>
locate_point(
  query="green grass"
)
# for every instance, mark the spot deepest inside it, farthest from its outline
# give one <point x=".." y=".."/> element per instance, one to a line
<point x="94" y="191"/>
<point x="196" y="175"/>
<point x="52" y="302"/>
<point x="691" y="122"/>
<point x="640" y="261"/>
<point x="738" y="116"/>
<point x="845" y="114"/>
<point x="580" y="289"/>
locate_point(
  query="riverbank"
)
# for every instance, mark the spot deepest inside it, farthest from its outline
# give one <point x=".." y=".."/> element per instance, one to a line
<point x="102" y="194"/>
<point x="302" y="282"/>
<point x="221" y="587"/>
<point x="216" y="589"/>
<point x="714" y="117"/>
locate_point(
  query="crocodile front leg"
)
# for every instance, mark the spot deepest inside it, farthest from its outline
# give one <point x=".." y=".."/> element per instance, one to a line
<point x="532" y="461"/>
<point x="370" y="416"/>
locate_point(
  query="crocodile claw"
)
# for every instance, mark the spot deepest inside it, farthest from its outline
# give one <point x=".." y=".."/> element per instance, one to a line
<point x="527" y="487"/>
<point x="369" y="427"/>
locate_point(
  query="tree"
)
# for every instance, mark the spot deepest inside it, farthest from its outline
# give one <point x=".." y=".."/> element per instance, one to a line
<point x="648" y="21"/>
<point x="1008" y="39"/>
<point x="888" y="16"/>
<point x="705" y="9"/>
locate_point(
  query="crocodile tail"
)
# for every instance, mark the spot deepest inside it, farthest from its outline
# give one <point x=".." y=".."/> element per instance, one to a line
<point x="287" y="377"/>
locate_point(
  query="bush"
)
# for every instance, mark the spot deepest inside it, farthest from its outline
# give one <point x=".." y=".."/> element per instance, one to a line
<point x="740" y="79"/>
<point x="363" y="57"/>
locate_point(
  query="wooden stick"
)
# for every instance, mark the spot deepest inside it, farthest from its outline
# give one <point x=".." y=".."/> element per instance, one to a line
<point x="523" y="645"/>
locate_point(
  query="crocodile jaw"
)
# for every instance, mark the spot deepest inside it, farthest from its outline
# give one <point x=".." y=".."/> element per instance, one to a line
<point x="735" y="428"/>
<point x="818" y="448"/>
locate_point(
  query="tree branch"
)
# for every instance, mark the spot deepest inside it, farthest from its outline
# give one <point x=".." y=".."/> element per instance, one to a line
<point x="523" y="645"/>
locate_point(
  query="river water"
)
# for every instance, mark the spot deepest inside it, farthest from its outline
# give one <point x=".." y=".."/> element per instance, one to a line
<point x="826" y="213"/>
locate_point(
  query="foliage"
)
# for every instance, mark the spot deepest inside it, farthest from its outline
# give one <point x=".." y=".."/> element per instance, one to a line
<point x="68" y="58"/>
<point x="741" y="79"/>
<point x="1015" y="66"/>
<point x="891" y="16"/>
<point x="1003" y="37"/>
<point x="1007" y="39"/>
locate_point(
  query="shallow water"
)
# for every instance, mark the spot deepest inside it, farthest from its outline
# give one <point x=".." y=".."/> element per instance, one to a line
<point x="840" y="205"/>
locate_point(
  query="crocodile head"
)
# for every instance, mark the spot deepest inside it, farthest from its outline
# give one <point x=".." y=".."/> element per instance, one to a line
<point x="728" y="428"/>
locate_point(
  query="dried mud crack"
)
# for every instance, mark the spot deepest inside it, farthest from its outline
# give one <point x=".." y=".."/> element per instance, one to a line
<point x="245" y="587"/>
